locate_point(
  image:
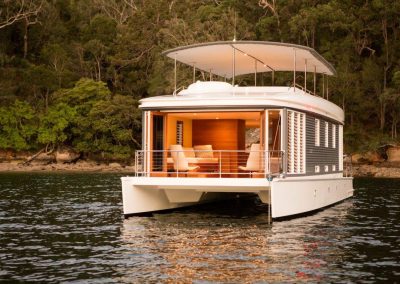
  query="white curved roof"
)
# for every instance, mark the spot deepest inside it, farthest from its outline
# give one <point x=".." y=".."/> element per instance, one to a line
<point x="217" y="57"/>
<point x="211" y="96"/>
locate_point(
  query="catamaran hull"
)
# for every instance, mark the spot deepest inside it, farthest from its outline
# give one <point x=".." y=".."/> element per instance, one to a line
<point x="298" y="196"/>
<point x="287" y="196"/>
<point x="148" y="194"/>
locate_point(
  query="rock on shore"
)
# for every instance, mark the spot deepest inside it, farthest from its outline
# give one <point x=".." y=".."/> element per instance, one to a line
<point x="376" y="171"/>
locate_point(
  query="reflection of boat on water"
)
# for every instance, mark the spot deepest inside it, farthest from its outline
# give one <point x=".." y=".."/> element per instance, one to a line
<point x="193" y="245"/>
<point x="194" y="141"/>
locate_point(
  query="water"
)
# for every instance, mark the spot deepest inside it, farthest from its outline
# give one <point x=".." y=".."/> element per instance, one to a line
<point x="69" y="228"/>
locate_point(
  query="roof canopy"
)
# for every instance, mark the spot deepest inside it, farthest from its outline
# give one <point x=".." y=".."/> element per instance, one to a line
<point x="263" y="56"/>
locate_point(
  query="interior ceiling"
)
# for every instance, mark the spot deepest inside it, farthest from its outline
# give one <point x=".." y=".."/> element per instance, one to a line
<point x="217" y="57"/>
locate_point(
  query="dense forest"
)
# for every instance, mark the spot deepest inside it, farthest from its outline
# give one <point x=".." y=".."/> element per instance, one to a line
<point x="72" y="71"/>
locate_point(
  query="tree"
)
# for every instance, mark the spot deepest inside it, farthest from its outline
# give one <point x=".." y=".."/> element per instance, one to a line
<point x="12" y="11"/>
<point x="17" y="126"/>
<point x="53" y="129"/>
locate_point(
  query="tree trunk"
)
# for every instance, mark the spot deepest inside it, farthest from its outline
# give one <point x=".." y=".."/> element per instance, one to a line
<point x="26" y="37"/>
<point x="382" y="115"/>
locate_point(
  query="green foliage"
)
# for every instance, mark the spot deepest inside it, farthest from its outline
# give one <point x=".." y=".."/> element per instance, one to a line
<point x="96" y="121"/>
<point x="17" y="126"/>
<point x="115" y="47"/>
<point x="54" y="124"/>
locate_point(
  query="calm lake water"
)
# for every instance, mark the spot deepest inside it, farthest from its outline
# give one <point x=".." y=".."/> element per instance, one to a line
<point x="70" y="228"/>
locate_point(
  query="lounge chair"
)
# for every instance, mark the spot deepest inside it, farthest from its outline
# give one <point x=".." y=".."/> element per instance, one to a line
<point x="254" y="160"/>
<point x="181" y="163"/>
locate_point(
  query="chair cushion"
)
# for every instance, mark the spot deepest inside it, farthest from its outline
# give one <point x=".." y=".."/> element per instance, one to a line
<point x="203" y="151"/>
<point x="189" y="153"/>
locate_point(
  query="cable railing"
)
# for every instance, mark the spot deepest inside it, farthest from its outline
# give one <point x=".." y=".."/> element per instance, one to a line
<point x="209" y="163"/>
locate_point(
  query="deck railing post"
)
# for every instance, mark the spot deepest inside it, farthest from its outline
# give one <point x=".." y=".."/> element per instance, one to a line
<point x="177" y="163"/>
<point x="136" y="154"/>
<point x="220" y="164"/>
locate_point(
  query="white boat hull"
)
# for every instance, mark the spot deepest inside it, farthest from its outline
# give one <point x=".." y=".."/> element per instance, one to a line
<point x="288" y="196"/>
<point x="297" y="196"/>
<point x="148" y="194"/>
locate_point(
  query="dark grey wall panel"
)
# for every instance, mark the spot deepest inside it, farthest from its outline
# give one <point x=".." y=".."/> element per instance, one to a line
<point x="321" y="155"/>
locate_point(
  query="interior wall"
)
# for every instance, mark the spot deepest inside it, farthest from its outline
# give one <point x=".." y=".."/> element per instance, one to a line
<point x="222" y="134"/>
<point x="171" y="131"/>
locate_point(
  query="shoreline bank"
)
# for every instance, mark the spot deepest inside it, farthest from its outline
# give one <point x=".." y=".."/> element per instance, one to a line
<point x="359" y="170"/>
<point x="80" y="166"/>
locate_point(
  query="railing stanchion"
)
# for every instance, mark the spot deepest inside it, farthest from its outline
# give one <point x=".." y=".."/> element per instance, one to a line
<point x="177" y="163"/>
<point x="220" y="164"/>
<point x="136" y="163"/>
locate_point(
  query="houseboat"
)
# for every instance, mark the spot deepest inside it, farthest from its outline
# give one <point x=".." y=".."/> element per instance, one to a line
<point x="196" y="142"/>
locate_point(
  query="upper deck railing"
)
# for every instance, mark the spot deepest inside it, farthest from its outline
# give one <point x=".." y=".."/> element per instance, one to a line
<point x="211" y="164"/>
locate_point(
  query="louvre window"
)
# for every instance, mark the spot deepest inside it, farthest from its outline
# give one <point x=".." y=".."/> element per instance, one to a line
<point x="296" y="142"/>
<point x="179" y="132"/>
<point x="317" y="132"/>
<point x="333" y="136"/>
<point x="326" y="134"/>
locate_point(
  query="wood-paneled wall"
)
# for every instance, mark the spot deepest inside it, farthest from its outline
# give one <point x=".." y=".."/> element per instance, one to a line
<point x="222" y="134"/>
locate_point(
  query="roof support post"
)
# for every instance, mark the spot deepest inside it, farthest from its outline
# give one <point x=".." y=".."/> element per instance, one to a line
<point x="194" y="73"/>
<point x="305" y="75"/>
<point x="315" y="80"/>
<point x="323" y="85"/>
<point x="233" y="65"/>
<point x="273" y="77"/>
<point x="175" y="75"/>
<point x="210" y="76"/>
<point x="255" y="73"/>
<point x="327" y="88"/>
<point x="294" y="70"/>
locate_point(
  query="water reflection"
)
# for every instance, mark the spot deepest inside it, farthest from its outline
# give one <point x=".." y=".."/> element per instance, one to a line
<point x="69" y="228"/>
<point x="199" y="246"/>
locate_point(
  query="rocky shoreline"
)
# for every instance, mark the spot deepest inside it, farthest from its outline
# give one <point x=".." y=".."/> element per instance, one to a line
<point x="378" y="171"/>
<point x="383" y="170"/>
<point x="80" y="166"/>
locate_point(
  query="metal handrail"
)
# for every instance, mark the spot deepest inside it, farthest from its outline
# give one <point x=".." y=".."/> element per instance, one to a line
<point x="304" y="89"/>
<point x="224" y="163"/>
